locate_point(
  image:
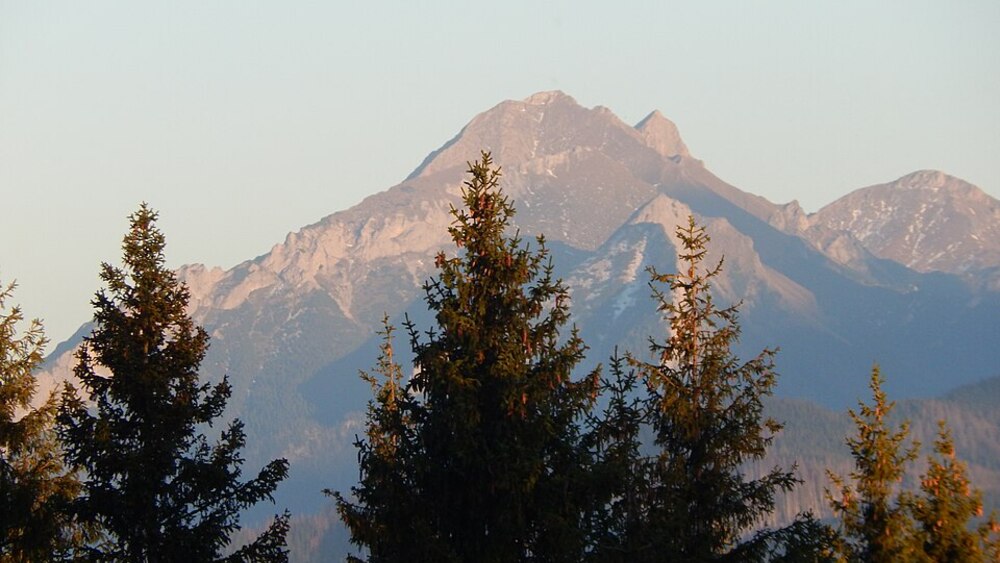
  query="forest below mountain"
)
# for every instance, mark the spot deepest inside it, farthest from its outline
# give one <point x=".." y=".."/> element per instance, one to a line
<point x="494" y="448"/>
<point x="909" y="281"/>
<point x="814" y="439"/>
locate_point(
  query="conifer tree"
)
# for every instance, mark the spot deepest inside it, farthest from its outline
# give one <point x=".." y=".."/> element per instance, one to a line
<point x="491" y="453"/>
<point x="382" y="517"/>
<point x="154" y="484"/>
<point x="34" y="484"/>
<point x="874" y="525"/>
<point x="705" y="411"/>
<point x="621" y="471"/>
<point x="946" y="508"/>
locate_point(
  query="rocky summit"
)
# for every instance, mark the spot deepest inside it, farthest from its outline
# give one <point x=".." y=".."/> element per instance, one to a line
<point x="887" y="274"/>
<point x="927" y="220"/>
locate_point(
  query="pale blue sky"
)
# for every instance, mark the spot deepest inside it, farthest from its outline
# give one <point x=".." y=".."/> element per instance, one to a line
<point x="241" y="121"/>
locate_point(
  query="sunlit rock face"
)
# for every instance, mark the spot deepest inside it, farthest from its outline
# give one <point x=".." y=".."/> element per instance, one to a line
<point x="927" y="220"/>
<point x="835" y="291"/>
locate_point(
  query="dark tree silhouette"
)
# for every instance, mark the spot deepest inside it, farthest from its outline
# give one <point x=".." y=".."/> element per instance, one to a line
<point x="154" y="484"/>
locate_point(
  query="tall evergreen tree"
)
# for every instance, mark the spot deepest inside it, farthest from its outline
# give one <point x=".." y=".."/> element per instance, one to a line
<point x="34" y="484"/>
<point x="154" y="484"/>
<point x="874" y="526"/>
<point x="946" y="508"/>
<point x="621" y="472"/>
<point x="489" y="449"/>
<point x="705" y="412"/>
<point x="383" y="517"/>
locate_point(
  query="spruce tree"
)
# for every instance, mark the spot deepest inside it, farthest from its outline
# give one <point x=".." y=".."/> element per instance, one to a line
<point x="705" y="412"/>
<point x="154" y="484"/>
<point x="947" y="506"/>
<point x="490" y="452"/>
<point x="34" y="484"/>
<point x="382" y="517"/>
<point x="621" y="472"/>
<point x="874" y="525"/>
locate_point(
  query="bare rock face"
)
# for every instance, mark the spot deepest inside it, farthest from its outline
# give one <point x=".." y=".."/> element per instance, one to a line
<point x="544" y="124"/>
<point x="575" y="173"/>
<point x="291" y="328"/>
<point x="612" y="286"/>
<point x="790" y="218"/>
<point x="662" y="135"/>
<point x="927" y="220"/>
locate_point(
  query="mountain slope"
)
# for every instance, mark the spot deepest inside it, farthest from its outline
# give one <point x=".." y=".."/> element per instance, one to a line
<point x="292" y="327"/>
<point x="926" y="220"/>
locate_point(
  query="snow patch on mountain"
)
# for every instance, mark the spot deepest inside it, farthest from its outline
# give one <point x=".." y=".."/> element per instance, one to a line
<point x="927" y="220"/>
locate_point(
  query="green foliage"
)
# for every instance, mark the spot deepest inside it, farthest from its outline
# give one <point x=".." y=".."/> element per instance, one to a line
<point x="691" y="499"/>
<point x="154" y="484"/>
<point x="946" y="507"/>
<point x="483" y="441"/>
<point x="875" y="527"/>
<point x="34" y="484"/>
<point x="382" y="519"/>
<point x="621" y="473"/>
<point x="881" y="523"/>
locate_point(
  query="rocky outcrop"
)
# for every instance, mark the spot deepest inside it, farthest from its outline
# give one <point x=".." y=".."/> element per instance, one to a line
<point x="927" y="220"/>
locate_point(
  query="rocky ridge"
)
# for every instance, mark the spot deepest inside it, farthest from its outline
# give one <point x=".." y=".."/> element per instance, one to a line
<point x="292" y="327"/>
<point x="927" y="220"/>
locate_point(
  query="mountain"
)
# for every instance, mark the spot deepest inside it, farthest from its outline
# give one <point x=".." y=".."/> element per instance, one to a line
<point x="291" y="328"/>
<point x="831" y="322"/>
<point x="928" y="221"/>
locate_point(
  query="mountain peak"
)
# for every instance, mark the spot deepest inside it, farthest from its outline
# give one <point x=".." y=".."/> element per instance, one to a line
<point x="548" y="97"/>
<point x="926" y="220"/>
<point x="935" y="188"/>
<point x="653" y="116"/>
<point x="662" y="135"/>
<point x="549" y="125"/>
<point x="925" y="180"/>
